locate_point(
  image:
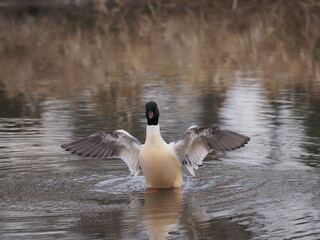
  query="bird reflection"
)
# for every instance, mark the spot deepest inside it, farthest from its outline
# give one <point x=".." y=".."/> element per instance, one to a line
<point x="162" y="211"/>
<point x="158" y="214"/>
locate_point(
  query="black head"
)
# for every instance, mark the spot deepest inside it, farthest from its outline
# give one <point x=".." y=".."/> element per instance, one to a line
<point x="152" y="113"/>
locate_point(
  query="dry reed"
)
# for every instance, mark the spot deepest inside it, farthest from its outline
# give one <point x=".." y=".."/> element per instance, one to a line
<point x="59" y="51"/>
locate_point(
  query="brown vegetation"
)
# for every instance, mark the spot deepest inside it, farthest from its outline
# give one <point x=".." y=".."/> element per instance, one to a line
<point x="60" y="51"/>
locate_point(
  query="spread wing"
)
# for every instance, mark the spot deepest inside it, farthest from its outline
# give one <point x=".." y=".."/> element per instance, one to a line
<point x="118" y="144"/>
<point x="192" y="147"/>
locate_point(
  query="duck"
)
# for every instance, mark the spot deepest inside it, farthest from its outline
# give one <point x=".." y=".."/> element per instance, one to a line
<point x="159" y="161"/>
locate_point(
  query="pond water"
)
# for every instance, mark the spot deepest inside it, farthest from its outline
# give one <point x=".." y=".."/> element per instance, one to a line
<point x="267" y="190"/>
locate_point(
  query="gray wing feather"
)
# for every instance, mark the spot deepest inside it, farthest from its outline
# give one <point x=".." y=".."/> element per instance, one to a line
<point x="119" y="144"/>
<point x="193" y="146"/>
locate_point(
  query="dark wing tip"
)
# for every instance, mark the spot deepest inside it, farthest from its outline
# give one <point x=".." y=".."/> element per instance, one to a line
<point x="240" y="142"/>
<point x="85" y="146"/>
<point x="101" y="144"/>
<point x="224" y="140"/>
<point x="65" y="146"/>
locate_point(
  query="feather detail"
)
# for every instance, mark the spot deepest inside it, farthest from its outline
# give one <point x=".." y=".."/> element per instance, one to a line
<point x="196" y="142"/>
<point x="107" y="145"/>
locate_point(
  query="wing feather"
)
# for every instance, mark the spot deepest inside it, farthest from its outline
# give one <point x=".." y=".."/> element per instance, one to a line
<point x="106" y="145"/>
<point x="196" y="142"/>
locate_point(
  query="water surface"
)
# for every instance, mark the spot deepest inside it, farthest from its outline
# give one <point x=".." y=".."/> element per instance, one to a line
<point x="81" y="83"/>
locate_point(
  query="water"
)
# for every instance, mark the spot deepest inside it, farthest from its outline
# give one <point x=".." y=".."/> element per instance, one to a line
<point x="267" y="190"/>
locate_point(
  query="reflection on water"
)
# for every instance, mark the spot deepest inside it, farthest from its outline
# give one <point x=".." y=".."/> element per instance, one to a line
<point x="65" y="74"/>
<point x="162" y="211"/>
<point x="270" y="123"/>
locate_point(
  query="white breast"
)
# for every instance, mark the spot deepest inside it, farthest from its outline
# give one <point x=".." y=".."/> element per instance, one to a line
<point x="160" y="164"/>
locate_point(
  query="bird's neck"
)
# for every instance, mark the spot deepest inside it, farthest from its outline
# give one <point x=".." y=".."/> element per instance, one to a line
<point x="153" y="135"/>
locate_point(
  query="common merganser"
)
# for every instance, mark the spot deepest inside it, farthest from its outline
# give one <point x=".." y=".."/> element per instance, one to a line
<point x="159" y="161"/>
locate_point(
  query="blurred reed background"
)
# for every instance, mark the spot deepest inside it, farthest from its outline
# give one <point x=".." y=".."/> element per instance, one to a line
<point x="61" y="48"/>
